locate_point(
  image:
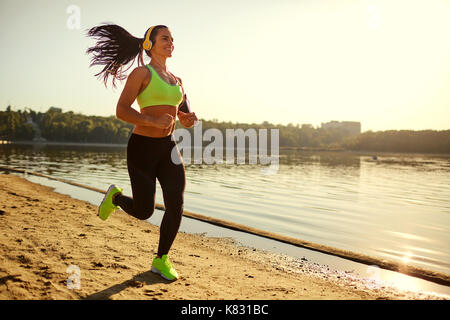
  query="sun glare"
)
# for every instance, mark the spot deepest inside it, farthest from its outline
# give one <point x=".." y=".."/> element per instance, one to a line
<point x="407" y="257"/>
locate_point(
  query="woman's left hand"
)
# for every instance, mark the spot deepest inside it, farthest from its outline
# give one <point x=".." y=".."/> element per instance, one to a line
<point x="187" y="119"/>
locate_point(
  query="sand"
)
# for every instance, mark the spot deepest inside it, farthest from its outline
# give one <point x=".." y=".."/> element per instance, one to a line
<point x="55" y="247"/>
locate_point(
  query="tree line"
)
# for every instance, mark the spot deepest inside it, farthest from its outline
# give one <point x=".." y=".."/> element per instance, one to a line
<point x="408" y="141"/>
<point x="56" y="125"/>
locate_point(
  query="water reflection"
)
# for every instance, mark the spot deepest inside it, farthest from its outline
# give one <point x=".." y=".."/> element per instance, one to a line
<point x="111" y="155"/>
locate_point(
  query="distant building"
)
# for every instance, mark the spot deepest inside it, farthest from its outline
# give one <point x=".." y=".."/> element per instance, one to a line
<point x="352" y="128"/>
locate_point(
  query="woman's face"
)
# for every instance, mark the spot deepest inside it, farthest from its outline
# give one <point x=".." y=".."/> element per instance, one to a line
<point x="163" y="43"/>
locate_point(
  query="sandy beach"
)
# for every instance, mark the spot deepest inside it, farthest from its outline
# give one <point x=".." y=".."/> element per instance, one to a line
<point x="56" y="247"/>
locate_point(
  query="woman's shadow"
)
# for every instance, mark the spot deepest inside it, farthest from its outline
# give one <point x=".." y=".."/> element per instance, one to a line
<point x="145" y="278"/>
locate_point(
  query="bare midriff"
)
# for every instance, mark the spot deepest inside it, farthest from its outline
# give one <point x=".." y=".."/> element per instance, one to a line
<point x="156" y="112"/>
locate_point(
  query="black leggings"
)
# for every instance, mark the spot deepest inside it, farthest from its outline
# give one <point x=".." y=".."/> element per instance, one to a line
<point x="149" y="159"/>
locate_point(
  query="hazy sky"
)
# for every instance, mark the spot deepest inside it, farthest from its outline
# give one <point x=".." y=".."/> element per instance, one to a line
<point x="383" y="63"/>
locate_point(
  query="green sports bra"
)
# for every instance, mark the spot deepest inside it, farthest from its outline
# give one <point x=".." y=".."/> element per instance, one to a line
<point x="159" y="92"/>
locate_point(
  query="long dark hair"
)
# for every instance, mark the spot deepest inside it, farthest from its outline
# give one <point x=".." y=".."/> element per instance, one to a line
<point x="115" y="48"/>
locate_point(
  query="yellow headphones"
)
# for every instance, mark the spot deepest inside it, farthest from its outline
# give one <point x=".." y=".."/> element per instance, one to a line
<point x="147" y="44"/>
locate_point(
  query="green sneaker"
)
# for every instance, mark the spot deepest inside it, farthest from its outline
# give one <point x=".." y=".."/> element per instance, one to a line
<point x="107" y="206"/>
<point x="163" y="266"/>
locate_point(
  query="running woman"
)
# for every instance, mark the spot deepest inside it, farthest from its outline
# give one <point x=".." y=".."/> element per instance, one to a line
<point x="149" y="150"/>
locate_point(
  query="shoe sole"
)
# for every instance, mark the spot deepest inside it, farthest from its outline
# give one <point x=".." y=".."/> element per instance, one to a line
<point x="104" y="198"/>
<point x="154" y="270"/>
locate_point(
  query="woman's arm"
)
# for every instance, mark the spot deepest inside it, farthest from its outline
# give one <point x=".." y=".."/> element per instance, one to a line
<point x="125" y="112"/>
<point x="186" y="119"/>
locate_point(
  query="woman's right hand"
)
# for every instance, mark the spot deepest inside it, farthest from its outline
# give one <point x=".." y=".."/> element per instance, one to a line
<point x="163" y="122"/>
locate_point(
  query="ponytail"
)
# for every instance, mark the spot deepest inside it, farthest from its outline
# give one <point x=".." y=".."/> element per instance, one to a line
<point x="115" y="48"/>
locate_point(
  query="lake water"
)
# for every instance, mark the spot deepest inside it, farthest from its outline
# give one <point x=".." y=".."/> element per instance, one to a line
<point x="396" y="207"/>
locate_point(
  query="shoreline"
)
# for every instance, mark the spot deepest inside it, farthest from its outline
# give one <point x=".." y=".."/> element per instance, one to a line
<point x="433" y="276"/>
<point x="45" y="232"/>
